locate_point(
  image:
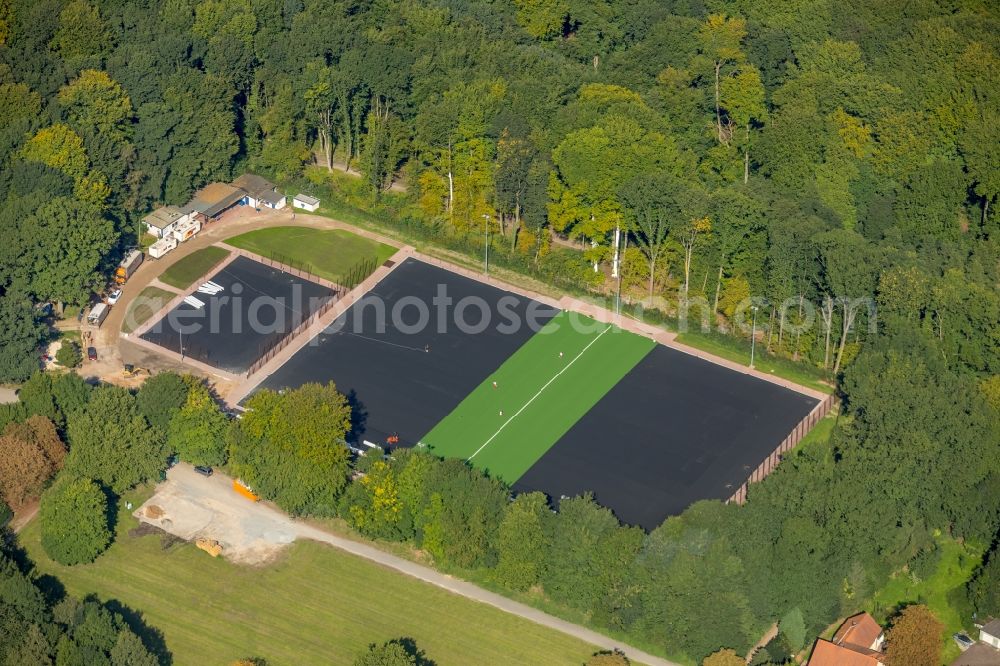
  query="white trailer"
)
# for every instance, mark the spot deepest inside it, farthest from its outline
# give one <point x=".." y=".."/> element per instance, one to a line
<point x="187" y="230"/>
<point x="98" y="314"/>
<point x="162" y="246"/>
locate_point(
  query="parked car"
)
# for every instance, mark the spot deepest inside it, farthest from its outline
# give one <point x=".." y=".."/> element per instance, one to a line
<point x="203" y="470"/>
<point x="963" y="641"/>
<point x="114" y="295"/>
<point x="91" y="353"/>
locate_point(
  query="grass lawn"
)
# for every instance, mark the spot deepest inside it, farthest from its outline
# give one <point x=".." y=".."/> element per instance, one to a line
<point x="193" y="266"/>
<point x="328" y="253"/>
<point x="736" y="350"/>
<point x="316" y="605"/>
<point x="148" y="302"/>
<point x="540" y="394"/>
<point x="958" y="562"/>
<point x="820" y="435"/>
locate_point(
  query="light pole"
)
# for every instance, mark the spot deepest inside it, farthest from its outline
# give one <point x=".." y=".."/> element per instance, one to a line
<point x="486" y="245"/>
<point x="753" y="334"/>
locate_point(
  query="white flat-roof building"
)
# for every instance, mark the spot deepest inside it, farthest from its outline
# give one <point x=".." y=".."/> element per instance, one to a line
<point x="305" y="202"/>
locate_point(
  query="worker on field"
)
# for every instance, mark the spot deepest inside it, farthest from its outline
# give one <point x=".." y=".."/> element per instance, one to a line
<point x="494" y="384"/>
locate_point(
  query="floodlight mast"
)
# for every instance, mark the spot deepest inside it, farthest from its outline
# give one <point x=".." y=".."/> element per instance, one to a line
<point x="753" y="334"/>
<point x="486" y="244"/>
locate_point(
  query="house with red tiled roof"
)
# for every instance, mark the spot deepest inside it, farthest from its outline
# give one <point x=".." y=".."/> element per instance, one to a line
<point x="858" y="642"/>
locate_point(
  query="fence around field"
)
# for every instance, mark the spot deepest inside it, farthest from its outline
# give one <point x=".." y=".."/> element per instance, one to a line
<point x="268" y="352"/>
<point x="351" y="278"/>
<point x="789" y="443"/>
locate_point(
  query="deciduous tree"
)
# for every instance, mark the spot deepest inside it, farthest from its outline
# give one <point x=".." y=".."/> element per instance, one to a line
<point x="74" y="521"/>
<point x="725" y="657"/>
<point x="390" y="653"/>
<point x="30" y="454"/>
<point x="20" y="336"/>
<point x="160" y="397"/>
<point x="111" y="441"/>
<point x="290" y="447"/>
<point x="914" y="638"/>
<point x="523" y="541"/>
<point x="197" y="431"/>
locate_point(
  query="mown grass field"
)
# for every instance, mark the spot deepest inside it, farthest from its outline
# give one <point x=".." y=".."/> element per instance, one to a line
<point x="182" y="274"/>
<point x="328" y="253"/>
<point x="316" y="605"/>
<point x="540" y="393"/>
<point x="148" y="302"/>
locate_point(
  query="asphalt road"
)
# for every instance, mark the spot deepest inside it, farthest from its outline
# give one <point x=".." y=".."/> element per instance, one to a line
<point x="219" y="507"/>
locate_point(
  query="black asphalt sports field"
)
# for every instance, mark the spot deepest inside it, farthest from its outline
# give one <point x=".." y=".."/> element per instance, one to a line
<point x="675" y="430"/>
<point x="402" y="378"/>
<point x="258" y="305"/>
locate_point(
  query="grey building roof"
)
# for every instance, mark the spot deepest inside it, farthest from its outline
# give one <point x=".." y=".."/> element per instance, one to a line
<point x="306" y="199"/>
<point x="979" y="654"/>
<point x="271" y="197"/>
<point x="214" y="198"/>
<point x="254" y="185"/>
<point x="163" y="217"/>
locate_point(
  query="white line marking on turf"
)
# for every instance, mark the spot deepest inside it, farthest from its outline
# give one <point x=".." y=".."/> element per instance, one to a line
<point x="383" y="342"/>
<point x="554" y="377"/>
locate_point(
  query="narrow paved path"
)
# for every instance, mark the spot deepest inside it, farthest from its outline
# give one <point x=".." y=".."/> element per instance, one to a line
<point x="476" y="593"/>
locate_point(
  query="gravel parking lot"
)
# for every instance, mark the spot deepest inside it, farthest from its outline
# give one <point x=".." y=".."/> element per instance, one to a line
<point x="191" y="506"/>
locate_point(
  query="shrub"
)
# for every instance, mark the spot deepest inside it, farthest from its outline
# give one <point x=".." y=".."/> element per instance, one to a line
<point x="69" y="354"/>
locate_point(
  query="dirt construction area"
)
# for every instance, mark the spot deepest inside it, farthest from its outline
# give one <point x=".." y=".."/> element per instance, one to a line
<point x="192" y="507"/>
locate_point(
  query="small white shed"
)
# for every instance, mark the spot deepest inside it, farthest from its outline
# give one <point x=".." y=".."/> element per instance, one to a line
<point x="305" y="202"/>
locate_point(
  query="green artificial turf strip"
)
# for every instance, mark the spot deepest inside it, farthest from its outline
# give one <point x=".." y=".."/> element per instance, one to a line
<point x="182" y="274"/>
<point x="328" y="253"/>
<point x="539" y="404"/>
<point x="316" y="605"/>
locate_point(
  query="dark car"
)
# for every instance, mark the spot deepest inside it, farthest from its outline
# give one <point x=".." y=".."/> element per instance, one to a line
<point x="92" y="353"/>
<point x="203" y="470"/>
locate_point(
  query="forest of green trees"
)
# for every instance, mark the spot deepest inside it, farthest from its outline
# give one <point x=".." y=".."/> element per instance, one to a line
<point x="806" y="151"/>
<point x="791" y="152"/>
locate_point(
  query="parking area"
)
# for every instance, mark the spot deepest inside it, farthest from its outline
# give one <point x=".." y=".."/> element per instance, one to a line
<point x="191" y="506"/>
<point x="247" y="310"/>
